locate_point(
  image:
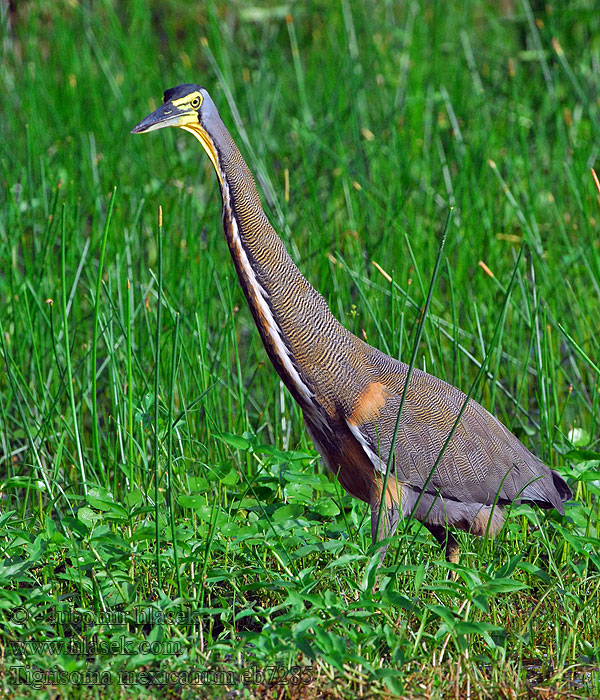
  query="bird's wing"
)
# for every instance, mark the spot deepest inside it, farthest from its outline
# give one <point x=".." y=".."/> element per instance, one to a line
<point x="483" y="460"/>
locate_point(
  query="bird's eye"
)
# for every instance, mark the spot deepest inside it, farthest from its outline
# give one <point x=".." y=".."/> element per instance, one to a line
<point x="195" y="102"/>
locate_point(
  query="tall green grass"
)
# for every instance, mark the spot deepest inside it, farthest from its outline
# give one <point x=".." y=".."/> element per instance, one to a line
<point x="152" y="462"/>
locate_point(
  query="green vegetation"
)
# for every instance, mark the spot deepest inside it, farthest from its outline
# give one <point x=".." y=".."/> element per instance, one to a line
<point x="153" y="467"/>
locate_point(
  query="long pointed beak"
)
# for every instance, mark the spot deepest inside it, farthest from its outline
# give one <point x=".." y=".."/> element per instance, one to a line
<point x="165" y="115"/>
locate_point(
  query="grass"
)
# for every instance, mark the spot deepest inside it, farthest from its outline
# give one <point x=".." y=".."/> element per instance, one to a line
<point x="163" y="511"/>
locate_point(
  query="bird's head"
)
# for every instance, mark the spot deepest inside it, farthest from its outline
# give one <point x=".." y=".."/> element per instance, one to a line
<point x="188" y="107"/>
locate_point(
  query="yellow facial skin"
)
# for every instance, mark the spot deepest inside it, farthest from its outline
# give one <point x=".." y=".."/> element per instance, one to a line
<point x="200" y="133"/>
<point x="194" y="100"/>
<point x="182" y="113"/>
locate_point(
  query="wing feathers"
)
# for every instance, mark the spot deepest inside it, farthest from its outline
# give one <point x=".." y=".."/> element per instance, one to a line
<point x="484" y="462"/>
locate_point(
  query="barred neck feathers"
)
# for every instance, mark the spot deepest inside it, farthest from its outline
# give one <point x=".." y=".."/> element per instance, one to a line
<point x="270" y="280"/>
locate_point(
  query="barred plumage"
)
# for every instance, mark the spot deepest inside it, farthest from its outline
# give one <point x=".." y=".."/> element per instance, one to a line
<point x="350" y="392"/>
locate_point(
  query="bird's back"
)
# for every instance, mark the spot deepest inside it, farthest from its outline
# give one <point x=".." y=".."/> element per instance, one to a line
<point x="483" y="462"/>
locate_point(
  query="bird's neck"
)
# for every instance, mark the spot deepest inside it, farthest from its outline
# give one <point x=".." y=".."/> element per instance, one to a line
<point x="291" y="316"/>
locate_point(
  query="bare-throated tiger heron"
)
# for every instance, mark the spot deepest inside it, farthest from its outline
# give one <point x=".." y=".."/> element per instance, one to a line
<point x="350" y="392"/>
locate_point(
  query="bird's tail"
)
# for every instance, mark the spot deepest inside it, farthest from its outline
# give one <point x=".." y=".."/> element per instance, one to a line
<point x="547" y="493"/>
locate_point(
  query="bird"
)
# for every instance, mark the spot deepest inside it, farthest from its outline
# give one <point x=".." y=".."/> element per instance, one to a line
<point x="350" y="392"/>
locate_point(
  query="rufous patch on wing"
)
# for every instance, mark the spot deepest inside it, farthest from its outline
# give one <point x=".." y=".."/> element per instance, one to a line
<point x="370" y="401"/>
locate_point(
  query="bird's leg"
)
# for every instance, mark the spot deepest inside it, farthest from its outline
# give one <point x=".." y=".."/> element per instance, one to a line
<point x="390" y="516"/>
<point x="446" y="540"/>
